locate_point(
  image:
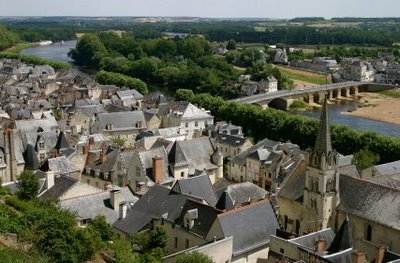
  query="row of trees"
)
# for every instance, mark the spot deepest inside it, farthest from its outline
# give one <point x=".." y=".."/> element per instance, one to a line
<point x="301" y="130"/>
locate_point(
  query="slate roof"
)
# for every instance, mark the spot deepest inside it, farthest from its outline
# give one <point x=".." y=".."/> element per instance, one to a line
<point x="309" y="241"/>
<point x="196" y="153"/>
<point x="198" y="186"/>
<point x="191" y="112"/>
<point x="156" y="203"/>
<point x="343" y="239"/>
<point x="61" y="185"/>
<point x="266" y="143"/>
<point x="146" y="160"/>
<point x="242" y="193"/>
<point x="90" y="206"/>
<point x="230" y="139"/>
<point x="60" y="166"/>
<point x="370" y="201"/>
<point x="125" y="120"/>
<point x="293" y="189"/>
<point x="111" y="156"/>
<point x="388" y="168"/>
<point x="250" y="226"/>
<point x="61" y="142"/>
<point x="206" y="217"/>
<point x="388" y="180"/>
<point x="47" y="124"/>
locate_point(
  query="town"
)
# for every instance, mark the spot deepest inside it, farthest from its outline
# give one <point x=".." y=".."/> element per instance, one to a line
<point x="199" y="140"/>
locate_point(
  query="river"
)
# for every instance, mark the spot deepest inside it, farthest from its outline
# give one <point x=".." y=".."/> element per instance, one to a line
<point x="56" y="52"/>
<point x="59" y="52"/>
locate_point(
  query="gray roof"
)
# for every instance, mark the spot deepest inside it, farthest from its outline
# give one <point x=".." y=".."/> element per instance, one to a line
<point x="121" y="120"/>
<point x="60" y="166"/>
<point x="146" y="160"/>
<point x="388" y="168"/>
<point x="61" y="186"/>
<point x="388" y="180"/>
<point x="266" y="143"/>
<point x="370" y="201"/>
<point x="156" y="203"/>
<point x="230" y="139"/>
<point x="196" y="152"/>
<point x="90" y="206"/>
<point x="293" y="188"/>
<point x="244" y="192"/>
<point x="198" y="187"/>
<point x="250" y="226"/>
<point x="309" y="241"/>
<point x="190" y="112"/>
<point x="129" y="94"/>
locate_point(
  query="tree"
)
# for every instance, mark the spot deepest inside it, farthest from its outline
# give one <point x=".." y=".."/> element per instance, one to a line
<point x="193" y="257"/>
<point x="100" y="225"/>
<point x="88" y="51"/>
<point x="118" y="140"/>
<point x="231" y="45"/>
<point x="364" y="158"/>
<point x="28" y="186"/>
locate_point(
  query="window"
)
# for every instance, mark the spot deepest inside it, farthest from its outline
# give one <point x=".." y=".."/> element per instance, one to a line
<point x="119" y="166"/>
<point x="186" y="125"/>
<point x="182" y="174"/>
<point x="285" y="222"/>
<point x="369" y="233"/>
<point x="196" y="123"/>
<point x="176" y="242"/>
<point x="42" y="156"/>
<point x="41" y="145"/>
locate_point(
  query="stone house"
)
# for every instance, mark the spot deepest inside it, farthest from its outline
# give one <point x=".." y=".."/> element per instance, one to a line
<point x="123" y="124"/>
<point x="268" y="85"/>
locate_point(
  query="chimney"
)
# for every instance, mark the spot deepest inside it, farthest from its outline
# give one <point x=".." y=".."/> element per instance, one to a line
<point x="321" y="245"/>
<point x="358" y="257"/>
<point x="157" y="169"/>
<point x="103" y="154"/>
<point x="123" y="209"/>
<point x="85" y="149"/>
<point x="74" y="129"/>
<point x="115" y="198"/>
<point x="91" y="140"/>
<point x="380" y="254"/>
<point x="49" y="179"/>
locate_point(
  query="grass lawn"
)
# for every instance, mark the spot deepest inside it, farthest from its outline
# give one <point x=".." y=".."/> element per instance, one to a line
<point x="19" y="47"/>
<point x="391" y="93"/>
<point x="305" y="76"/>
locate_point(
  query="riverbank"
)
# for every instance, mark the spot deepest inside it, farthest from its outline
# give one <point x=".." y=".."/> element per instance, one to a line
<point x="376" y="106"/>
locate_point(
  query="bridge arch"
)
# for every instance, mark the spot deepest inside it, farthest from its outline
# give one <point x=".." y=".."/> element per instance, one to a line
<point x="279" y="103"/>
<point x="317" y="97"/>
<point x="343" y="92"/>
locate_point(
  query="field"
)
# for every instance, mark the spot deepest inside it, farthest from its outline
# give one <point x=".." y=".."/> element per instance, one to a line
<point x="303" y="76"/>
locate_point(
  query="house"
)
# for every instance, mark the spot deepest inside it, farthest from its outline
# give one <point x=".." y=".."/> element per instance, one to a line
<point x="149" y="167"/>
<point x="357" y="70"/>
<point x="268" y="85"/>
<point x="264" y="163"/>
<point x="199" y="225"/>
<point x="109" y="204"/>
<point x="249" y="87"/>
<point x="190" y="118"/>
<point x="231" y="145"/>
<point x="124" y="124"/>
<point x="190" y="157"/>
<point x="64" y="187"/>
<point x="106" y="167"/>
<point x="281" y="57"/>
<point x="320" y="246"/>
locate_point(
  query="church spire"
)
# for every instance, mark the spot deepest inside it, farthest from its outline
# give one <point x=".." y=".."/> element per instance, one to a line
<point x="323" y="143"/>
<point x="323" y="156"/>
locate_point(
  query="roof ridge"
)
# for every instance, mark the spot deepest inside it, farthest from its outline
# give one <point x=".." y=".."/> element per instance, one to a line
<point x="372" y="183"/>
<point x="239" y="209"/>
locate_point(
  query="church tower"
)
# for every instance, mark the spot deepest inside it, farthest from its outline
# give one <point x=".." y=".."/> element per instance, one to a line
<point x="321" y="191"/>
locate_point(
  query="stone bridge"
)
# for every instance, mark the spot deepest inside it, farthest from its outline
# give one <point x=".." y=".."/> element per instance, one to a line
<point x="282" y="99"/>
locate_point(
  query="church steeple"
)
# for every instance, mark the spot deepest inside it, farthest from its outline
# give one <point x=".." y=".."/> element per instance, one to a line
<point x="323" y="143"/>
<point x="323" y="156"/>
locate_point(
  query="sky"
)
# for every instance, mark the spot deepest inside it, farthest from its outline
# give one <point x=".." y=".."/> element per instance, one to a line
<point x="202" y="8"/>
